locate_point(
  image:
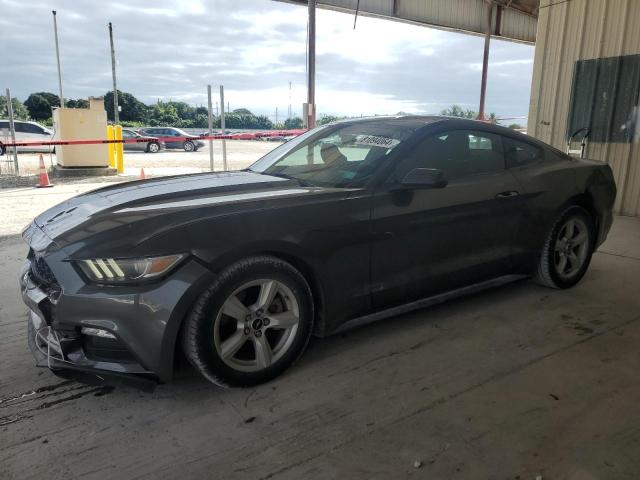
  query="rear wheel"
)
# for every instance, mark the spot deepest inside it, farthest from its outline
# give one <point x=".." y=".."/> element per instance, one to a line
<point x="567" y="250"/>
<point x="251" y="324"/>
<point x="2" y="149"/>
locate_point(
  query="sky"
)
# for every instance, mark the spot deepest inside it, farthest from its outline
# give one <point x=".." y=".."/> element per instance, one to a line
<point x="171" y="50"/>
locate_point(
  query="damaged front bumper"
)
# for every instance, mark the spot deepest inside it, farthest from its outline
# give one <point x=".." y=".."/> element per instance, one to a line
<point x="65" y="352"/>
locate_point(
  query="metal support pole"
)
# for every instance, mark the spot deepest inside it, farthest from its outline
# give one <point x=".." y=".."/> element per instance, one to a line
<point x="311" y="68"/>
<point x="116" y="114"/>
<point x="222" y="126"/>
<point x="12" y="130"/>
<point x="210" y="112"/>
<point x="55" y="32"/>
<point x="485" y="60"/>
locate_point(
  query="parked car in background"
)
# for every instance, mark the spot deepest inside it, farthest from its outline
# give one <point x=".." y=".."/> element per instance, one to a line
<point x="191" y="144"/>
<point x="151" y="146"/>
<point x="26" y="132"/>
<point x="342" y="225"/>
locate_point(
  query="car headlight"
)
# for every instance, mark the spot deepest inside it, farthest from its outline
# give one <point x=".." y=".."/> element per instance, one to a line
<point x="118" y="270"/>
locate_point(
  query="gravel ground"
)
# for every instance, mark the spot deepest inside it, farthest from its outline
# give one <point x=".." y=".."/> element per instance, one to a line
<point x="20" y="202"/>
<point x="240" y="153"/>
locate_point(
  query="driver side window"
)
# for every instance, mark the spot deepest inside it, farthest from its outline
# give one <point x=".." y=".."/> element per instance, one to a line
<point x="457" y="153"/>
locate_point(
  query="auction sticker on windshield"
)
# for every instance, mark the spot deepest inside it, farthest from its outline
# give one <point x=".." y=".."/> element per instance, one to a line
<point x="376" y="141"/>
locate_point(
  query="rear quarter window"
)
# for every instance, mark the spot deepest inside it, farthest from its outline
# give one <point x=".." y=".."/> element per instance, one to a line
<point x="518" y="154"/>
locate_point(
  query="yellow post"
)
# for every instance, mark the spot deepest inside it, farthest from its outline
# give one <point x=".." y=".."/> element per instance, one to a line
<point x="112" y="146"/>
<point x="119" y="149"/>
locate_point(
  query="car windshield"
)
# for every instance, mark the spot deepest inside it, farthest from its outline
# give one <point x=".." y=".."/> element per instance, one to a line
<point x="343" y="155"/>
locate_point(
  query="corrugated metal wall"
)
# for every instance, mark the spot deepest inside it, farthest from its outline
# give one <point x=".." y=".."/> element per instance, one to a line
<point x="577" y="30"/>
<point x="458" y="15"/>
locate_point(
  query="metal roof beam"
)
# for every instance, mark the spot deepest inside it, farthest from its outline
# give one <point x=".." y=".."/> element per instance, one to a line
<point x="518" y="19"/>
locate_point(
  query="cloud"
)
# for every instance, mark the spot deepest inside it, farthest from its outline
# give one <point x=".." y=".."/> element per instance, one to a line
<point x="171" y="49"/>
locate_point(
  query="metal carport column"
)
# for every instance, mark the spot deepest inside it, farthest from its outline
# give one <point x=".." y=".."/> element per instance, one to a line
<point x="310" y="106"/>
<point x="485" y="60"/>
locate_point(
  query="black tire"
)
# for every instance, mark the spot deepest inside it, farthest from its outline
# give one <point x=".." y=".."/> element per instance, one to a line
<point x="189" y="146"/>
<point x="198" y="331"/>
<point x="2" y="149"/>
<point x="547" y="272"/>
<point x="153" y="147"/>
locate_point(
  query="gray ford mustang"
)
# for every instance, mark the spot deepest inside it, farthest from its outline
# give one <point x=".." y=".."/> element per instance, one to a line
<point x="345" y="224"/>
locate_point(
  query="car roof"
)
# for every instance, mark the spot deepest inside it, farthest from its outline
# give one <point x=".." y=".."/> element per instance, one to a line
<point x="22" y="121"/>
<point x="457" y="122"/>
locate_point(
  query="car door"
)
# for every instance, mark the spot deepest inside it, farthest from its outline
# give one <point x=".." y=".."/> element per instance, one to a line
<point x="39" y="134"/>
<point x="128" y="135"/>
<point x="22" y="136"/>
<point x="169" y="132"/>
<point x="431" y="240"/>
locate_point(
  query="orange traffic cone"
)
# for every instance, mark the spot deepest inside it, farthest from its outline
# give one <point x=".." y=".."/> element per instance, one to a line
<point x="142" y="175"/>
<point x="44" y="176"/>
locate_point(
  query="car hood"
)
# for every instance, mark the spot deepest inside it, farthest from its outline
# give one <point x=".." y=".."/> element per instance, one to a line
<point x="178" y="199"/>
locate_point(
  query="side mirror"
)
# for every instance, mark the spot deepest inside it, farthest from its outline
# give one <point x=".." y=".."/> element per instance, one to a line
<point x="425" y="178"/>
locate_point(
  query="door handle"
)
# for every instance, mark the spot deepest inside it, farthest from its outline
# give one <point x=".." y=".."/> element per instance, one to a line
<point x="508" y="194"/>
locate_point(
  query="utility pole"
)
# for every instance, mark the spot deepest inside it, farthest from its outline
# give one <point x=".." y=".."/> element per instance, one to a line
<point x="116" y="114"/>
<point x="55" y="33"/>
<point x="276" y="115"/>
<point x="222" y="126"/>
<point x="290" y="111"/>
<point x="12" y="130"/>
<point x="210" y="112"/>
<point x="310" y="107"/>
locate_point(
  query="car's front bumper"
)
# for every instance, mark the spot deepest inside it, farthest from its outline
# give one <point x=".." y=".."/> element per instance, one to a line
<point x="144" y="321"/>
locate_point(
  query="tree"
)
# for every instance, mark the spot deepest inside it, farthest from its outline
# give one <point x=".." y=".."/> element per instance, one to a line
<point x="20" y="112"/>
<point x="515" y="126"/>
<point x="458" y="111"/>
<point x="40" y="104"/>
<point x="131" y="109"/>
<point x="324" y="119"/>
<point x="292" y="123"/>
<point x="79" y="103"/>
<point x="242" y="111"/>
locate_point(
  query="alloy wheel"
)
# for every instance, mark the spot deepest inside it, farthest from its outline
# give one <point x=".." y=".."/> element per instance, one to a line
<point x="571" y="248"/>
<point x="256" y="325"/>
<point x="188" y="147"/>
<point x="154" y="147"/>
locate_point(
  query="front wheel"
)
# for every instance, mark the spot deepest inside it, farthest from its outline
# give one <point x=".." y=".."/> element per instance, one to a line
<point x="153" y="147"/>
<point x="251" y="324"/>
<point x="567" y="251"/>
<point x="189" y="146"/>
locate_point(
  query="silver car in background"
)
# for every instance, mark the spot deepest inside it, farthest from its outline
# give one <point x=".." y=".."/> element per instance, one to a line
<point x="152" y="145"/>
<point x="26" y="132"/>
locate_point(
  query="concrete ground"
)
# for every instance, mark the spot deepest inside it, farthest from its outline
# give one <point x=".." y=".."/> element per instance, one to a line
<point x="513" y="383"/>
<point x="19" y="205"/>
<point x="240" y="153"/>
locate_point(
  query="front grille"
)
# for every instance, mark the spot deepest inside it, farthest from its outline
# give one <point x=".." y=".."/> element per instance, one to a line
<point x="43" y="276"/>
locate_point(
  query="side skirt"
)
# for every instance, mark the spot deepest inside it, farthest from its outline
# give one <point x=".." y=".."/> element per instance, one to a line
<point x="427" y="302"/>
